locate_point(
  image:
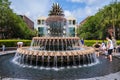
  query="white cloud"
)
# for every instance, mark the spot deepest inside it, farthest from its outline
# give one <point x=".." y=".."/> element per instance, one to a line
<point x="81" y="13"/>
<point x="31" y="8"/>
<point x="36" y="8"/>
<point x="67" y="13"/>
<point x="90" y="8"/>
<point x="27" y="14"/>
<point x="80" y="1"/>
<point x="90" y="2"/>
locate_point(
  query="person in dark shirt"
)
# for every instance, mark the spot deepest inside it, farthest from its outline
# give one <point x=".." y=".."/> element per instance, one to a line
<point x="97" y="48"/>
<point x="82" y="41"/>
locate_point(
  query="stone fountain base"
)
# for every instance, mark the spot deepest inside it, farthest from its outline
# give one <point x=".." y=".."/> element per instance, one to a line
<point x="41" y="58"/>
<point x="10" y="70"/>
<point x="55" y="52"/>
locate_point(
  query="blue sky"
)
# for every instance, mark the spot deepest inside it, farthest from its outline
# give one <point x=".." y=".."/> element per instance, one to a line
<point x="80" y="9"/>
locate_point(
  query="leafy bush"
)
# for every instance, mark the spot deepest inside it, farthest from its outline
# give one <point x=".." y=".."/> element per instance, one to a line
<point x="91" y="42"/>
<point x="13" y="43"/>
<point x="118" y="42"/>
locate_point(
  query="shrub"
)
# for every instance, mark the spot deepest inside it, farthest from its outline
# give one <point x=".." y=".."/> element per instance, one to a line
<point x="118" y="42"/>
<point x="13" y="43"/>
<point x="91" y="42"/>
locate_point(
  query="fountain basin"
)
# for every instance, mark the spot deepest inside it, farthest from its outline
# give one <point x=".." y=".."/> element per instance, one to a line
<point x="10" y="70"/>
<point x="38" y="58"/>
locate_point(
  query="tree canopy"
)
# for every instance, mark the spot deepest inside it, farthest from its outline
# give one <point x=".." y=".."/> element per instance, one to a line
<point x="12" y="25"/>
<point x="96" y="26"/>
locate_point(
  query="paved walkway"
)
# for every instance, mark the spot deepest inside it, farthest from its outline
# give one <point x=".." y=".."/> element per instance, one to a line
<point x="7" y="52"/>
<point x="113" y="76"/>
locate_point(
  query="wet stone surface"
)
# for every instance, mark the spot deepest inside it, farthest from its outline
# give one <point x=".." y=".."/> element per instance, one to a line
<point x="10" y="70"/>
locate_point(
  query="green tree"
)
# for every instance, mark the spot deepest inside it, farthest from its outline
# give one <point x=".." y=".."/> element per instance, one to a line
<point x="98" y="24"/>
<point x="11" y="25"/>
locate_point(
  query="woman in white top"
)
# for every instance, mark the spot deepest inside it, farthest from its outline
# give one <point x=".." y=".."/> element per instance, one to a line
<point x="114" y="44"/>
<point x="109" y="47"/>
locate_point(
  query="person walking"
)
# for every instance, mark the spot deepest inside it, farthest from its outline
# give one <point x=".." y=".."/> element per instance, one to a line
<point x="109" y="48"/>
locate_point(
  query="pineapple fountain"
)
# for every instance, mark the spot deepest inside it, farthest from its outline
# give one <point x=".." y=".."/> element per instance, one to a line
<point x="56" y="48"/>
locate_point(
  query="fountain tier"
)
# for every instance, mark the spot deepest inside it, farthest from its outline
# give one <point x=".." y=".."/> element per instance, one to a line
<point x="65" y="51"/>
<point x="55" y="43"/>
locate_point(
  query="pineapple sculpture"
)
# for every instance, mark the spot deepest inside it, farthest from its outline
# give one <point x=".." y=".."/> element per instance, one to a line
<point x="56" y="21"/>
<point x="56" y="10"/>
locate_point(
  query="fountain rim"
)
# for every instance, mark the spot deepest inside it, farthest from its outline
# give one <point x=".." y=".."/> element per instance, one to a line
<point x="61" y="38"/>
<point x="88" y="50"/>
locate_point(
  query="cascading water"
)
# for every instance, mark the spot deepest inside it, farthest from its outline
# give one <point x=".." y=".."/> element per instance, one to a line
<point x="57" y="50"/>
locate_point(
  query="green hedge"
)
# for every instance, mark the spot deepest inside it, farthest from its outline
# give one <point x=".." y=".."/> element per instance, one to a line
<point x="91" y="42"/>
<point x="118" y="42"/>
<point x="13" y="43"/>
